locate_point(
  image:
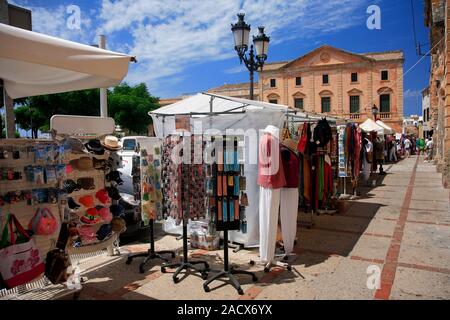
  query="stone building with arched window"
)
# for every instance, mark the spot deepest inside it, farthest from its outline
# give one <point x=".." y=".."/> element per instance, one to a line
<point x="333" y="81"/>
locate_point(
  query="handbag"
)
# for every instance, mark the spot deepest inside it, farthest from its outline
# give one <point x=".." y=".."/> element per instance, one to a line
<point x="57" y="260"/>
<point x="20" y="258"/>
<point x="43" y="222"/>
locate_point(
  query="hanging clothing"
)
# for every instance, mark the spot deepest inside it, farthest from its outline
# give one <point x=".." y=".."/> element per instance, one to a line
<point x="269" y="205"/>
<point x="307" y="192"/>
<point x="270" y="167"/>
<point x="357" y="151"/>
<point x="288" y="216"/>
<point x="291" y="167"/>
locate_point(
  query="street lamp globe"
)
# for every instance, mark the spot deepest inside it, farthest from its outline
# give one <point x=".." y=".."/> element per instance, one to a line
<point x="241" y="33"/>
<point x="261" y="42"/>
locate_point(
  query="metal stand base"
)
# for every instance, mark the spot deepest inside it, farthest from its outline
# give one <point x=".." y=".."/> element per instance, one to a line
<point x="231" y="278"/>
<point x="192" y="265"/>
<point x="149" y="255"/>
<point x="186" y="264"/>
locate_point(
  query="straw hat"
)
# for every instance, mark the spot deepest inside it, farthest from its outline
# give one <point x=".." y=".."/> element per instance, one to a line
<point x="82" y="164"/>
<point x="291" y="144"/>
<point x="111" y="143"/>
<point x="75" y="145"/>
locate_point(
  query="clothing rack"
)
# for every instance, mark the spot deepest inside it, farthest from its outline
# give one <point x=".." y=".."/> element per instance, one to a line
<point x="227" y="272"/>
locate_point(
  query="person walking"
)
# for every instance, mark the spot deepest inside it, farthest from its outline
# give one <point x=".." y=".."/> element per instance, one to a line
<point x="379" y="154"/>
<point x="366" y="159"/>
<point x="392" y="150"/>
<point x="421" y="146"/>
<point x="429" y="148"/>
<point x="407" y="144"/>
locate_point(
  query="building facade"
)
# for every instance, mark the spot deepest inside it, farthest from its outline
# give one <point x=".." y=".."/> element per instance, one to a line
<point x="426" y="116"/>
<point x="437" y="19"/>
<point x="332" y="81"/>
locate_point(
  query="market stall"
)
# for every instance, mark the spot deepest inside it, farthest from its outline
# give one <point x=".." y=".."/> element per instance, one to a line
<point x="40" y="173"/>
<point x="214" y="114"/>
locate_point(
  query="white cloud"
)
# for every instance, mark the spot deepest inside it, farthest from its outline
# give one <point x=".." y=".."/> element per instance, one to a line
<point x="53" y="21"/>
<point x="238" y="69"/>
<point x="167" y="36"/>
<point x="409" y="94"/>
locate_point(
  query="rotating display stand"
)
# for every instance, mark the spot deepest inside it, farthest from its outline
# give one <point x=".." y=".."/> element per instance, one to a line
<point x="151" y="254"/>
<point x="226" y="201"/>
<point x="186" y="264"/>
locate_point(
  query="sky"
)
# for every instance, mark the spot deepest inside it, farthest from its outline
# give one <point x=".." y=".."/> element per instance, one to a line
<point x="186" y="46"/>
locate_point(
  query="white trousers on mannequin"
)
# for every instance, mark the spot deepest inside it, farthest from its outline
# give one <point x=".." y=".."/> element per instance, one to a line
<point x="269" y="205"/>
<point x="288" y="214"/>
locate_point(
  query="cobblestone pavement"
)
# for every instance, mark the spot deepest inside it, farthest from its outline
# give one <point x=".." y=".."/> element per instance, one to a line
<point x="398" y="229"/>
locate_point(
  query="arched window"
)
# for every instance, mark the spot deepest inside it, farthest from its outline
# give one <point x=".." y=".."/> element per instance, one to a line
<point x="385" y="99"/>
<point x="273" y="98"/>
<point x="355" y="100"/>
<point x="299" y="99"/>
<point x="325" y="97"/>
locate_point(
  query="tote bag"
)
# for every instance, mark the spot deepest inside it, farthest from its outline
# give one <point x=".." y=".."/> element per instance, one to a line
<point x="20" y="259"/>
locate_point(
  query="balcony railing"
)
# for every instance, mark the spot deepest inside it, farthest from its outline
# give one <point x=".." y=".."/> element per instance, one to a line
<point x="384" y="115"/>
<point x="352" y="116"/>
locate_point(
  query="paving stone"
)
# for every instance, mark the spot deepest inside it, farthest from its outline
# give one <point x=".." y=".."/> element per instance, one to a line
<point x="411" y="284"/>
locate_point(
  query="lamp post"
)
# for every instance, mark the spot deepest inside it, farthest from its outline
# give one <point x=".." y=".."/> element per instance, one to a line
<point x="374" y="112"/>
<point x="253" y="62"/>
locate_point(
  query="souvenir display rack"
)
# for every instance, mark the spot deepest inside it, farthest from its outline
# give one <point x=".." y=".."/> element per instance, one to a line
<point x="184" y="193"/>
<point x="99" y="183"/>
<point x="228" y="210"/>
<point x="147" y="180"/>
<point x="22" y="197"/>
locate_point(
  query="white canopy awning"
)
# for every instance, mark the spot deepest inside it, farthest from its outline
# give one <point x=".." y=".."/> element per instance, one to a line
<point x="34" y="64"/>
<point x="388" y="129"/>
<point x="369" y="126"/>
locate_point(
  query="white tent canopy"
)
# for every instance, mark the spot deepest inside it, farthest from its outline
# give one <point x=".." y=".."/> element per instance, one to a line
<point x="388" y="129"/>
<point x="34" y="64"/>
<point x="369" y="126"/>
<point x="210" y="111"/>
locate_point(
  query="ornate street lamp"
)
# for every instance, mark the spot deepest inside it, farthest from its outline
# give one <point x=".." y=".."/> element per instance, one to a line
<point x="241" y="33"/>
<point x="374" y="112"/>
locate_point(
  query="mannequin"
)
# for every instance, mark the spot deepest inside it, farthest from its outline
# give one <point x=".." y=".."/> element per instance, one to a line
<point x="289" y="194"/>
<point x="270" y="179"/>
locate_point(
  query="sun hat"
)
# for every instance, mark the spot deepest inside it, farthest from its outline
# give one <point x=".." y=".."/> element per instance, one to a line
<point x="72" y="204"/>
<point x="111" y="143"/>
<point x="82" y="164"/>
<point x="87" y="201"/>
<point x="75" y="145"/>
<point x="95" y="146"/>
<point x="113" y="193"/>
<point x="102" y="196"/>
<point x="114" y="176"/>
<point x="91" y="216"/>
<point x="104" y="213"/>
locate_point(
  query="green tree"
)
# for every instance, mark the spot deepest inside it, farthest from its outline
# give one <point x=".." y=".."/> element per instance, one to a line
<point x="129" y="106"/>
